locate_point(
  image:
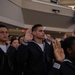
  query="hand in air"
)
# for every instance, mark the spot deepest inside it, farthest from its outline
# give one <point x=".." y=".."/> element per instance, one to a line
<point x="28" y="36"/>
<point x="58" y="51"/>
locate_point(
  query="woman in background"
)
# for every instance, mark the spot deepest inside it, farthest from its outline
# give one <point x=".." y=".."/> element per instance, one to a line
<point x="12" y="51"/>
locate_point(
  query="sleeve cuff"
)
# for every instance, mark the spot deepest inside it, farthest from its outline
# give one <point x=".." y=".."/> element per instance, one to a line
<point x="56" y="65"/>
<point x="25" y="43"/>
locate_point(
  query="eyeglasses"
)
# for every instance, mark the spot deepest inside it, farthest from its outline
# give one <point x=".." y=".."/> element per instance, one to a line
<point x="3" y="32"/>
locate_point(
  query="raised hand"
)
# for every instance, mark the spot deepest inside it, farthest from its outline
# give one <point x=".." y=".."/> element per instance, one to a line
<point x="58" y="51"/>
<point x="28" y="36"/>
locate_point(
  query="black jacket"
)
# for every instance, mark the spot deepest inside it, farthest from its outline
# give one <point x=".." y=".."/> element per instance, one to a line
<point x="34" y="60"/>
<point x="6" y="61"/>
<point x="65" y="68"/>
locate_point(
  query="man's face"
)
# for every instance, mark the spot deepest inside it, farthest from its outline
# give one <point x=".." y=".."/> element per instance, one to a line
<point x="3" y="34"/>
<point x="39" y="33"/>
<point x="49" y="37"/>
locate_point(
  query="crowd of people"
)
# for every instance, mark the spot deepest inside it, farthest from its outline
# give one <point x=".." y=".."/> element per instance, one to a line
<point x="36" y="53"/>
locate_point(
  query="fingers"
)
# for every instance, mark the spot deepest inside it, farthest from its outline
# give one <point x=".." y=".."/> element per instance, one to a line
<point x="56" y="44"/>
<point x="29" y="31"/>
<point x="28" y="35"/>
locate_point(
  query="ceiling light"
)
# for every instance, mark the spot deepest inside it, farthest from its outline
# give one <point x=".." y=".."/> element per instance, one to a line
<point x="73" y="7"/>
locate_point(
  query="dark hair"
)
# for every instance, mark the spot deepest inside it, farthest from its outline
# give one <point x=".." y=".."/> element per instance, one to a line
<point x="67" y="43"/>
<point x="36" y="26"/>
<point x="12" y="39"/>
<point x="20" y="37"/>
<point x="3" y="26"/>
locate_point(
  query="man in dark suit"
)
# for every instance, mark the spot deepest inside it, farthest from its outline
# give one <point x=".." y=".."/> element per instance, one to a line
<point x="36" y="56"/>
<point x="5" y="68"/>
<point x="7" y="54"/>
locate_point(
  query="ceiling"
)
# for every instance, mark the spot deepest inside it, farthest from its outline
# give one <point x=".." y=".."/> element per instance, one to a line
<point x="63" y="2"/>
<point x="10" y="26"/>
<point x="67" y="2"/>
<point x="48" y="19"/>
<point x="32" y="17"/>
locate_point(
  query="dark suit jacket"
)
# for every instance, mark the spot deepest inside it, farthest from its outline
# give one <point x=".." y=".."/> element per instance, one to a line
<point x="34" y="60"/>
<point x="7" y="61"/>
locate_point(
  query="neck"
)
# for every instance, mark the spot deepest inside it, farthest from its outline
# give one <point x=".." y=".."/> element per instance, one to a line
<point x="2" y="43"/>
<point x="39" y="41"/>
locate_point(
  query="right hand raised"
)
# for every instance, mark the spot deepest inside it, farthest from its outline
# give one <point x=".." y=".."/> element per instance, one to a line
<point x="58" y="51"/>
<point x="28" y="36"/>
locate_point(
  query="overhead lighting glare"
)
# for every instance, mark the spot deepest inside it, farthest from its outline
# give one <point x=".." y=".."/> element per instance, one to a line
<point x="73" y="7"/>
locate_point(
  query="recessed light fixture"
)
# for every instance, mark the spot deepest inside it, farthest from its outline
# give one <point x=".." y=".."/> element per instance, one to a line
<point x="73" y="7"/>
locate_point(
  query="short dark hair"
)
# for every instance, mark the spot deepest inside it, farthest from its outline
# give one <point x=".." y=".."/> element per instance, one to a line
<point x="20" y="37"/>
<point x="36" y="26"/>
<point x="67" y="43"/>
<point x="12" y="39"/>
<point x="1" y="26"/>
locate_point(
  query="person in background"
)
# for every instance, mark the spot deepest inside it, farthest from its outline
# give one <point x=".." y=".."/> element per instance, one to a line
<point x="9" y="37"/>
<point x="20" y="39"/>
<point x="35" y="55"/>
<point x="14" y="42"/>
<point x="8" y="42"/>
<point x="12" y="52"/>
<point x="48" y="38"/>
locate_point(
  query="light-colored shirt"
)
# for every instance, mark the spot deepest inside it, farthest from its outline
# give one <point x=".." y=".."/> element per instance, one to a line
<point x="41" y="46"/>
<point x="4" y="48"/>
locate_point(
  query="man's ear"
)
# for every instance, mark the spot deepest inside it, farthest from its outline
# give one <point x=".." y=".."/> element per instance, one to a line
<point x="34" y="33"/>
<point x="69" y="50"/>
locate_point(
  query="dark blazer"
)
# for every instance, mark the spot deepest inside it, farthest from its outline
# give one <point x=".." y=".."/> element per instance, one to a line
<point x="6" y="61"/>
<point x="11" y="53"/>
<point x="34" y="60"/>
